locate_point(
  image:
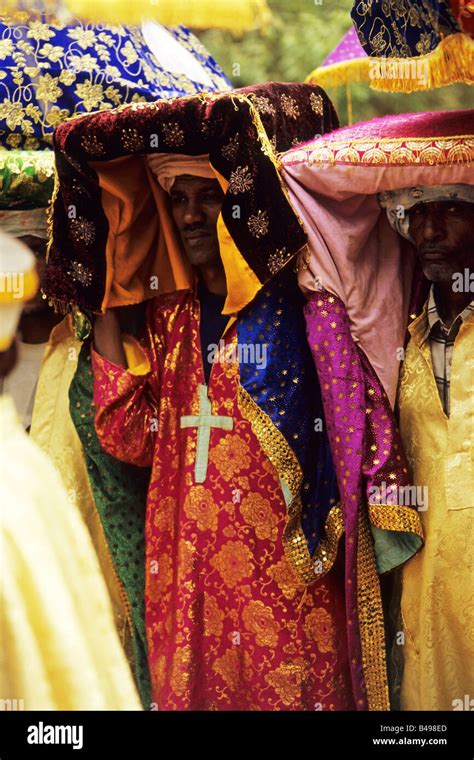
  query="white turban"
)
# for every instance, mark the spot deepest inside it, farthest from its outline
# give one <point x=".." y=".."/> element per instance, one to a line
<point x="167" y="166"/>
<point x="397" y="203"/>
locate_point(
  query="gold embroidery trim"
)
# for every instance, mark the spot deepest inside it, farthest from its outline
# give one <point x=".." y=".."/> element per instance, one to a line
<point x="371" y="620"/>
<point x="285" y="461"/>
<point x="272" y="442"/>
<point x="393" y="517"/>
<point x="394" y="151"/>
<point x="326" y="550"/>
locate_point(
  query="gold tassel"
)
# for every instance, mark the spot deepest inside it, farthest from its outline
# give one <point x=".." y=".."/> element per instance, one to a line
<point x="349" y="104"/>
<point x="339" y="74"/>
<point x="451" y="62"/>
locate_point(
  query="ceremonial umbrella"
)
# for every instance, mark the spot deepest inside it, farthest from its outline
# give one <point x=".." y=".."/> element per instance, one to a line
<point x="52" y="71"/>
<point x="198" y="14"/>
<point x="418" y="46"/>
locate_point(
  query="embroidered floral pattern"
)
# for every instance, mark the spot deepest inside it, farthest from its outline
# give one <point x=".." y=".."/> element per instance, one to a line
<point x="258" y="224"/>
<point x="180" y="671"/>
<point x="228" y="668"/>
<point x="263" y="104"/>
<point x="164" y="515"/>
<point x="92" y="145"/>
<point x="258" y="618"/>
<point x="277" y="259"/>
<point x="286" y="578"/>
<point x="83" y="61"/>
<point x="316" y="102"/>
<point x="234" y="562"/>
<point x="290" y="106"/>
<point x="83" y="230"/>
<point x="213" y="617"/>
<point x="132" y="140"/>
<point x="230" y="456"/>
<point x="229" y="150"/>
<point x="186" y="558"/>
<point x="257" y="512"/>
<point x="173" y="135"/>
<point x="287" y="681"/>
<point x="319" y="626"/>
<point x="200" y="506"/>
<point x="240" y="180"/>
<point x="160" y="577"/>
<point x="79" y="273"/>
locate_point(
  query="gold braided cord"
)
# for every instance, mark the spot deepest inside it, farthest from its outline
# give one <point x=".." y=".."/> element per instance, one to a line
<point x="371" y="620"/>
<point x="403" y="519"/>
<point x="283" y="458"/>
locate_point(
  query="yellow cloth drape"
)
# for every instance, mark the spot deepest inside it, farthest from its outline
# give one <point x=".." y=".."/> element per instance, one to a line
<point x="59" y="647"/>
<point x="438" y="583"/>
<point x="53" y="430"/>
<point x="197" y="14"/>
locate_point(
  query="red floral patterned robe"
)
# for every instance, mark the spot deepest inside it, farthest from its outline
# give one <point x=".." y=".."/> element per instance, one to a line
<point x="229" y="625"/>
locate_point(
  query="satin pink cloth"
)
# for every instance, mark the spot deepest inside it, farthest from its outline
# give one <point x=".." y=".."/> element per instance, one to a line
<point x="354" y="253"/>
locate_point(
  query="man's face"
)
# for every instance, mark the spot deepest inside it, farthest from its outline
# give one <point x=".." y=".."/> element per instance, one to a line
<point x="195" y="204"/>
<point x="37" y="305"/>
<point x="443" y="232"/>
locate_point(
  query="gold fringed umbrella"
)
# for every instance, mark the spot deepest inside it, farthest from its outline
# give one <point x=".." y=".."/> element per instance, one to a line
<point x="198" y="14"/>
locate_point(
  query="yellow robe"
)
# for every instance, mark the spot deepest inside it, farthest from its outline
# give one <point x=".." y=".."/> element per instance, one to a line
<point x="438" y="583"/>
<point x="53" y="430"/>
<point x="59" y="649"/>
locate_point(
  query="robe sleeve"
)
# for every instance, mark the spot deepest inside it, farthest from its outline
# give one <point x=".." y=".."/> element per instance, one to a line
<point x="126" y="402"/>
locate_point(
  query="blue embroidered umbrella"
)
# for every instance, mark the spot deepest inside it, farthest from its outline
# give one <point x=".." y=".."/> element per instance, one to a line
<point x="52" y="71"/>
<point x="415" y="45"/>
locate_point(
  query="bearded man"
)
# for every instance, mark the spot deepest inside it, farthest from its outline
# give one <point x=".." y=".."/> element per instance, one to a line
<point x="436" y="407"/>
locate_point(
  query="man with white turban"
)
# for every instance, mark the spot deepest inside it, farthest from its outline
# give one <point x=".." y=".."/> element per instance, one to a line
<point x="436" y="406"/>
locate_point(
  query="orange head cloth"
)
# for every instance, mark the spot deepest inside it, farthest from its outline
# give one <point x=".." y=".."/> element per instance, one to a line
<point x="167" y="166"/>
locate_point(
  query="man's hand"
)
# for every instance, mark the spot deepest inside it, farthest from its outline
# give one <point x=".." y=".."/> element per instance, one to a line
<point x="108" y="338"/>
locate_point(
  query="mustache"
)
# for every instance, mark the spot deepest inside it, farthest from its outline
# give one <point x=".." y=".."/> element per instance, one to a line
<point x="435" y="248"/>
<point x="195" y="228"/>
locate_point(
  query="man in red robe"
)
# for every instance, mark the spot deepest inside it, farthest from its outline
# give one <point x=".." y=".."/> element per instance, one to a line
<point x="230" y="624"/>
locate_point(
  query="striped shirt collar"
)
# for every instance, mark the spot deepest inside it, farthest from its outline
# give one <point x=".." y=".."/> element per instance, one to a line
<point x="421" y="327"/>
<point x="434" y="318"/>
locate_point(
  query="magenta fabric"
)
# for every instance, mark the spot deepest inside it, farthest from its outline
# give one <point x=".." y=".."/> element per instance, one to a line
<point x="427" y="124"/>
<point x="349" y="387"/>
<point x="347" y="49"/>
